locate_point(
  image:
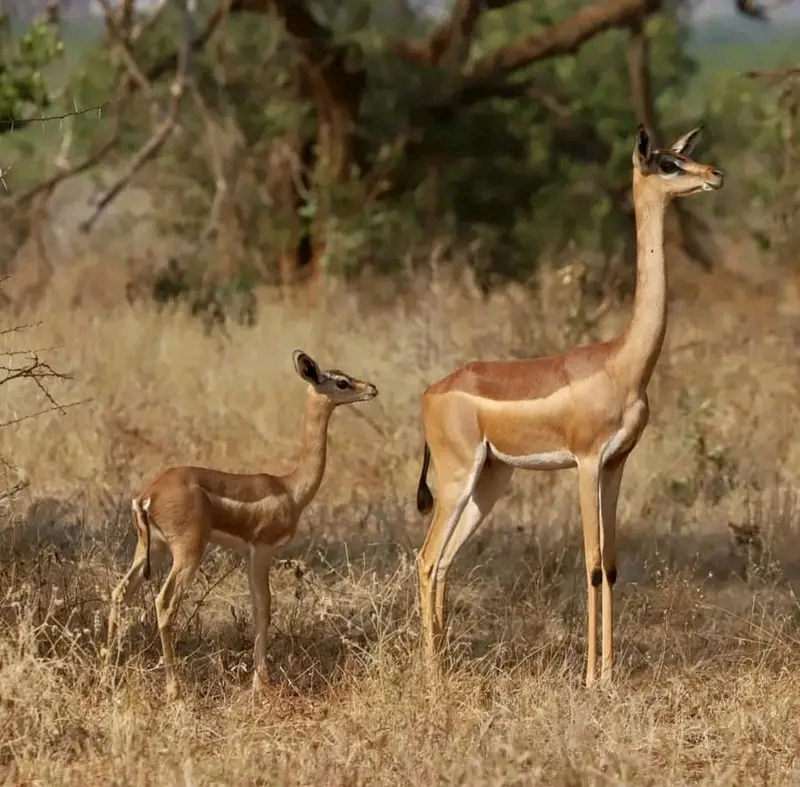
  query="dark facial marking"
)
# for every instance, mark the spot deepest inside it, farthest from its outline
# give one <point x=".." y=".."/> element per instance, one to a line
<point x="643" y="142"/>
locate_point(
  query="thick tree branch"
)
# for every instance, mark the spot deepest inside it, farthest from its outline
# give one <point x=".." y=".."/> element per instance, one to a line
<point x="143" y="155"/>
<point x="120" y="41"/>
<point x="456" y="32"/>
<point x="564" y="38"/>
<point x="639" y="72"/>
<point x="691" y="232"/>
<point x="460" y="27"/>
<point x="488" y="79"/>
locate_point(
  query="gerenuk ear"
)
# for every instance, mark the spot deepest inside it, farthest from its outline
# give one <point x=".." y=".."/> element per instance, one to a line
<point x="685" y="145"/>
<point x="642" y="151"/>
<point x="307" y="367"/>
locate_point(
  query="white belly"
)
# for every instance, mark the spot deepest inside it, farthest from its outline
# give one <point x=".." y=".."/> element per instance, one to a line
<point x="552" y="460"/>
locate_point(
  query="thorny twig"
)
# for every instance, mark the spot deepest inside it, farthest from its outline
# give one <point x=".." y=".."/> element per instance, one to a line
<point x="13" y="124"/>
<point x="134" y="76"/>
<point x="26" y="364"/>
<point x="60" y="407"/>
<point x="65" y="172"/>
<point x="14" y="490"/>
<point x="34" y="370"/>
<point x="17" y="328"/>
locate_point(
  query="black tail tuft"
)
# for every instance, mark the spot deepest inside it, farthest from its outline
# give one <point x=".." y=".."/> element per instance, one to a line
<point x="146" y="572"/>
<point x="142" y="522"/>
<point x="424" y="496"/>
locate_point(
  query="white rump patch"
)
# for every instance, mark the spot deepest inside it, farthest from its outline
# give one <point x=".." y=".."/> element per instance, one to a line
<point x="138" y="505"/>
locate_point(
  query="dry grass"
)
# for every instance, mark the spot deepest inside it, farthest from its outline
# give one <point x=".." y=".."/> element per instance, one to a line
<point x="708" y="629"/>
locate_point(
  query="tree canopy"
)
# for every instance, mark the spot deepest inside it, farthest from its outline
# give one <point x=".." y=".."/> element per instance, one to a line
<point x="323" y="135"/>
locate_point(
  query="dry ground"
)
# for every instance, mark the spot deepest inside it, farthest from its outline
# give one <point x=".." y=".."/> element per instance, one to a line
<point x="707" y="688"/>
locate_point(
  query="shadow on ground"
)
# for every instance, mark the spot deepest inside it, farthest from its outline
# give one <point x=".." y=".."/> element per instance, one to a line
<point x="517" y="598"/>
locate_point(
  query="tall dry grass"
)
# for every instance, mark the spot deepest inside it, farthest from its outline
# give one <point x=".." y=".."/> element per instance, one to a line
<point x="707" y="626"/>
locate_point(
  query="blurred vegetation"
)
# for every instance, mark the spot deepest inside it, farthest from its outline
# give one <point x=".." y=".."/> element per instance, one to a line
<point x="529" y="172"/>
<point x="23" y="89"/>
<point x="498" y="178"/>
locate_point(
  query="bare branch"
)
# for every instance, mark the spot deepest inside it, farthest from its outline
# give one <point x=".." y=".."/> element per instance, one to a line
<point x="14" y="490"/>
<point x="777" y="74"/>
<point x="488" y="79"/>
<point x="129" y="61"/>
<point x="33" y="368"/>
<point x="60" y="407"/>
<point x="454" y="33"/>
<point x="93" y="158"/>
<point x="144" y="154"/>
<point x="159" y="136"/>
<point x="217" y="165"/>
<point x="64" y="170"/>
<point x="564" y="38"/>
<point x="124" y="17"/>
<point x="315" y="40"/>
<point x="7" y="125"/>
<point x="142" y="27"/>
<point x="26" y="364"/>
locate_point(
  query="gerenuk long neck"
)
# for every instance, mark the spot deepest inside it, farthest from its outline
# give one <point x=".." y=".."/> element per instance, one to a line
<point x="641" y="342"/>
<point x="304" y="480"/>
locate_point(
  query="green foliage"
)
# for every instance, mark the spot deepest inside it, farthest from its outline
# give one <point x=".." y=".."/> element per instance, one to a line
<point x="509" y="179"/>
<point x="22" y="61"/>
<point x="753" y="134"/>
<point x="503" y="176"/>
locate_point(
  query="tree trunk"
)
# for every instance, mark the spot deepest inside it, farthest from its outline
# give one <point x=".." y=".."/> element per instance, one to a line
<point x="335" y="86"/>
<point x="682" y="228"/>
